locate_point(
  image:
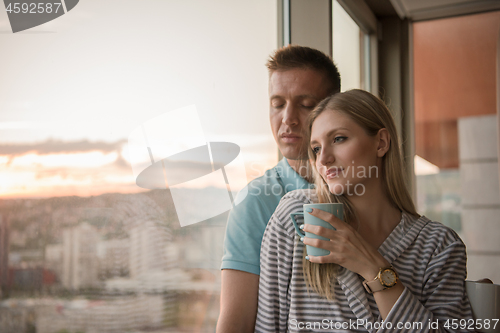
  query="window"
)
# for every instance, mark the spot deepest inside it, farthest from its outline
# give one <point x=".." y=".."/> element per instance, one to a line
<point x="455" y="132"/>
<point x="100" y="252"/>
<point x="351" y="50"/>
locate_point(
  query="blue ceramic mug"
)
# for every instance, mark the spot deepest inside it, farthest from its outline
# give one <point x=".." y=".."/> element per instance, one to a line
<point x="336" y="209"/>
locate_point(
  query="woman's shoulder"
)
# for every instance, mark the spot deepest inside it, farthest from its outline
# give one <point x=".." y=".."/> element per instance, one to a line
<point x="293" y="202"/>
<point x="306" y="196"/>
<point x="436" y="233"/>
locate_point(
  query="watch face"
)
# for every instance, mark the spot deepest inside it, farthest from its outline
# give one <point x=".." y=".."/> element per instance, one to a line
<point x="388" y="278"/>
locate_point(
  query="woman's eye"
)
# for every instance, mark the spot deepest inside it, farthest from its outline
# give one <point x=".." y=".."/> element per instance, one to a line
<point x="339" y="139"/>
<point x="316" y="150"/>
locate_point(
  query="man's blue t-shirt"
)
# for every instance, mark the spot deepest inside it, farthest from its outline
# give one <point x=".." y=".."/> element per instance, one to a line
<point x="248" y="220"/>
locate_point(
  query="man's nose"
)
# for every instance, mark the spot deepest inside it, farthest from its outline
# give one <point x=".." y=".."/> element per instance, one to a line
<point x="290" y="115"/>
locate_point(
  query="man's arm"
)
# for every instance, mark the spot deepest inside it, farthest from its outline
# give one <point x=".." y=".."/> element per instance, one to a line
<point x="241" y="260"/>
<point x="239" y="294"/>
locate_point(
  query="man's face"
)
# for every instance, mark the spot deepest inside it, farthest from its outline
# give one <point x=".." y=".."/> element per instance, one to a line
<point x="293" y="94"/>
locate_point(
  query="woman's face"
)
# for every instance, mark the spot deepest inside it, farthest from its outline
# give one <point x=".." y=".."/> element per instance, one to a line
<point x="346" y="156"/>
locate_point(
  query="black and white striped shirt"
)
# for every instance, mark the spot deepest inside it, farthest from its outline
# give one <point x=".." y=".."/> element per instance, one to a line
<point x="428" y="256"/>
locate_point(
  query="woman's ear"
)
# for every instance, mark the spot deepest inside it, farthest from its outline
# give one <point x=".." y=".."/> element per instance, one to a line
<point x="384" y="142"/>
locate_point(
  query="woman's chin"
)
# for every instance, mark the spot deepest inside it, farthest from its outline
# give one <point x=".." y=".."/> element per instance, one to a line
<point x="336" y="189"/>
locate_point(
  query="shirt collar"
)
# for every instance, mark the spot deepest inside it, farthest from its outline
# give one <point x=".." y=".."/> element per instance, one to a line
<point x="290" y="178"/>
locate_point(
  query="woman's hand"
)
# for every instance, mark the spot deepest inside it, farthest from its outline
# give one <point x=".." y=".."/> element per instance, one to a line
<point x="347" y="248"/>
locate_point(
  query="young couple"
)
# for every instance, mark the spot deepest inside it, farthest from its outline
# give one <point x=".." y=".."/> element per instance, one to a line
<point x="389" y="269"/>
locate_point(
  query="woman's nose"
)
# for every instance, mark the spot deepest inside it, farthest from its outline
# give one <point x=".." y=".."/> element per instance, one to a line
<point x="326" y="157"/>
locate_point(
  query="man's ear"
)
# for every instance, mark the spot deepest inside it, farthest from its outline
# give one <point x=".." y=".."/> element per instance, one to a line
<point x="384" y="142"/>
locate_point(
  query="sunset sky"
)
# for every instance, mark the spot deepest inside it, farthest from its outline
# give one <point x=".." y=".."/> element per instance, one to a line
<point x="72" y="90"/>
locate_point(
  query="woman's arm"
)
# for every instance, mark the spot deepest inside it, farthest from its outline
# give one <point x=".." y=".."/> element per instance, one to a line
<point x="348" y="249"/>
<point x="275" y="274"/>
<point x="444" y="306"/>
<point x="442" y="296"/>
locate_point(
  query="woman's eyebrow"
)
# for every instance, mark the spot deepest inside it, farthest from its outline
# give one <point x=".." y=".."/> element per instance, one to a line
<point x="331" y="133"/>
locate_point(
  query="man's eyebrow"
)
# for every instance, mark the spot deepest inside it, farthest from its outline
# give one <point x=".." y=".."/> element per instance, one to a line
<point x="299" y="97"/>
<point x="308" y="96"/>
<point x="331" y="132"/>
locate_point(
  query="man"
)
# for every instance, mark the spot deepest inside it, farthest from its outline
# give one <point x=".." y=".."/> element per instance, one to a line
<point x="299" y="78"/>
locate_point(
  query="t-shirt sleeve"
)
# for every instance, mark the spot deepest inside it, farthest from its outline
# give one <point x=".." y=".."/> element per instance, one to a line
<point x="444" y="300"/>
<point x="245" y="227"/>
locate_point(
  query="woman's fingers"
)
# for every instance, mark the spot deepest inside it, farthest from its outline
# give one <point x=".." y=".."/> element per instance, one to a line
<point x="342" y="253"/>
<point x="320" y="231"/>
<point x="328" y="217"/>
<point x="339" y="235"/>
<point x="332" y="246"/>
<point x="339" y="254"/>
<point x="328" y="259"/>
<point x="346" y="248"/>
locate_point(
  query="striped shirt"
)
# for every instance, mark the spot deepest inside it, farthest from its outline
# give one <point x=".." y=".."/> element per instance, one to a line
<point x="428" y="256"/>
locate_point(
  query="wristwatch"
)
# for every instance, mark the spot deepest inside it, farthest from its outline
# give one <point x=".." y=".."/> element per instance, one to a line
<point x="387" y="277"/>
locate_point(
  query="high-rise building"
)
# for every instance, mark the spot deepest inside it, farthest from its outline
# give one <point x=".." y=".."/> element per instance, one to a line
<point x="4" y="251"/>
<point x="80" y="262"/>
<point x="114" y="258"/>
<point x="54" y="258"/>
<point x="147" y="249"/>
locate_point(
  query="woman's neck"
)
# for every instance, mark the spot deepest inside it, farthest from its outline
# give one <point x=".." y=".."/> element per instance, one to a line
<point x="376" y="215"/>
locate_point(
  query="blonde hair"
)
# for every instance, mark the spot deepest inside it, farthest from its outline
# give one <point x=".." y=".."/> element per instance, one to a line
<point x="371" y="114"/>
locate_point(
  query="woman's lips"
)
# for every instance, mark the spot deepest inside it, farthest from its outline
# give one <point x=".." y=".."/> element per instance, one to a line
<point x="333" y="173"/>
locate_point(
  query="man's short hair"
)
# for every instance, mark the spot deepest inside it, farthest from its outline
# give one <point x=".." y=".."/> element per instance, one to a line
<point x="295" y="56"/>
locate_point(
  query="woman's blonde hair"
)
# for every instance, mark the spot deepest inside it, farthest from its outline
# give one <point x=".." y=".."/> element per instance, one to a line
<point x="371" y="114"/>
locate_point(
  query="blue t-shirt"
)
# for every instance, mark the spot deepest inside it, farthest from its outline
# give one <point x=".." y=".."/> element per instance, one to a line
<point x="248" y="220"/>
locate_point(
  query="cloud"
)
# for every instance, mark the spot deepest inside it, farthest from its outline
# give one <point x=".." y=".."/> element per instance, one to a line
<point x="57" y="146"/>
<point x="121" y="163"/>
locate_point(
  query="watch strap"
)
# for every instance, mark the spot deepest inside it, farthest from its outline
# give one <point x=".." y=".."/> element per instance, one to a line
<point x="373" y="286"/>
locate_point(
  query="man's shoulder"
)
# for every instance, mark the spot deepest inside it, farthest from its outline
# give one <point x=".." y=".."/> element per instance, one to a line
<point x="269" y="177"/>
<point x="267" y="186"/>
<point x="262" y="195"/>
<point x="248" y="220"/>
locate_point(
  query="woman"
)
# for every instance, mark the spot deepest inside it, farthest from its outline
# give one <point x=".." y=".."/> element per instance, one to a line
<point x="356" y="160"/>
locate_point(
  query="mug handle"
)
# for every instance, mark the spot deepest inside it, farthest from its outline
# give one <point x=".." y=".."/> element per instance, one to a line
<point x="292" y="215"/>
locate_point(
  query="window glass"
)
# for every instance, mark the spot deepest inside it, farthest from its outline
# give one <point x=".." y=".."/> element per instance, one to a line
<point x="97" y="102"/>
<point x="347" y="48"/>
<point x="456" y="162"/>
